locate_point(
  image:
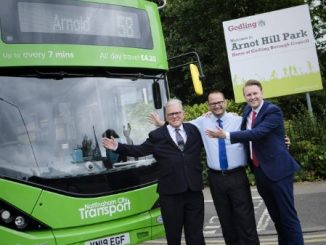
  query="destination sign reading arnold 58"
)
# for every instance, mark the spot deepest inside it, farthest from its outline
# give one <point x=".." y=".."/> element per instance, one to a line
<point x="276" y="48"/>
<point x="79" y="33"/>
<point x="81" y="22"/>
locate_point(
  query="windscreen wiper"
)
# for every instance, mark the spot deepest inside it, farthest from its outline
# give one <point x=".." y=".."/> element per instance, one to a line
<point x="22" y="118"/>
<point x="48" y="73"/>
<point x="59" y="75"/>
<point x="132" y="76"/>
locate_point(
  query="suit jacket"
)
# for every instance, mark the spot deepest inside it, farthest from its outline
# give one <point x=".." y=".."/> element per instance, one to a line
<point x="178" y="170"/>
<point x="267" y="136"/>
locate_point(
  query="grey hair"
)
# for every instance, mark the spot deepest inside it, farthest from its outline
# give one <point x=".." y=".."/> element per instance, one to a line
<point x="173" y="101"/>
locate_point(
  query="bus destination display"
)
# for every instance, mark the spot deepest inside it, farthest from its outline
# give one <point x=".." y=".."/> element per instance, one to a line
<point x="93" y="23"/>
<point x="53" y="18"/>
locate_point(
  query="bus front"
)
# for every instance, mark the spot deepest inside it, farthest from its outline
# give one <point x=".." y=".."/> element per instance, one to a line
<point x="72" y="72"/>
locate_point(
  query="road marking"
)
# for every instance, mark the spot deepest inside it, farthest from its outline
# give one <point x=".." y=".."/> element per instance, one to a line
<point x="263" y="221"/>
<point x="213" y="226"/>
<point x="208" y="201"/>
<point x="308" y="239"/>
<point x="260" y="203"/>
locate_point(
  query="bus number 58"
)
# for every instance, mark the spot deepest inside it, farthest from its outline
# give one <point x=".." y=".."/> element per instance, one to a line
<point x="125" y="26"/>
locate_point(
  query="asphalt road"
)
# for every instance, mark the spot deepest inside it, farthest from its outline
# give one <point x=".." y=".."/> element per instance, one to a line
<point x="310" y="201"/>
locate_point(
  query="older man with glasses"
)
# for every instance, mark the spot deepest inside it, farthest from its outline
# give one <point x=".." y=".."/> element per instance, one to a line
<point x="176" y="147"/>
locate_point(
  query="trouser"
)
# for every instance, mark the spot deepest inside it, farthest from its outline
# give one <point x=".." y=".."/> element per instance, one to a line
<point x="279" y="200"/>
<point x="233" y="203"/>
<point x="184" y="210"/>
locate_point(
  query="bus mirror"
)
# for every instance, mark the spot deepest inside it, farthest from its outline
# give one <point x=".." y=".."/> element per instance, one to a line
<point x="196" y="79"/>
<point x="157" y="95"/>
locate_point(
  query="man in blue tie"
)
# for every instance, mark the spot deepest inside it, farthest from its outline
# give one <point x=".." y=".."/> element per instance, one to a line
<point x="227" y="178"/>
<point x="222" y="149"/>
<point x="274" y="167"/>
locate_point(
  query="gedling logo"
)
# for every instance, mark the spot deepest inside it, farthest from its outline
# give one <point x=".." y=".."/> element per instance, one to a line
<point x="108" y="208"/>
<point x="242" y="26"/>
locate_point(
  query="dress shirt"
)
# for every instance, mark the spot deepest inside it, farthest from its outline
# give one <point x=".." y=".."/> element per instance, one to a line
<point x="181" y="131"/>
<point x="250" y="115"/>
<point x="235" y="152"/>
<point x="249" y="124"/>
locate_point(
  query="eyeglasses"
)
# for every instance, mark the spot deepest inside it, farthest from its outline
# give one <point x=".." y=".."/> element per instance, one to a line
<point x="216" y="103"/>
<point x="172" y="114"/>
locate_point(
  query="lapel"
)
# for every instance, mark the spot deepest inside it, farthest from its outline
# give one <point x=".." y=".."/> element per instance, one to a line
<point x="261" y="113"/>
<point x="245" y="115"/>
<point x="246" y="112"/>
<point x="168" y="136"/>
<point x="188" y="133"/>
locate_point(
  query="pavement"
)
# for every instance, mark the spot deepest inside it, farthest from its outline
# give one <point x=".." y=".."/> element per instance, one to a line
<point x="310" y="202"/>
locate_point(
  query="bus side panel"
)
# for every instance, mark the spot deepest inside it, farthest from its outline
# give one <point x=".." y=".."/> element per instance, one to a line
<point x="137" y="228"/>
<point x="12" y="237"/>
<point x="19" y="195"/>
<point x="157" y="224"/>
<point x="59" y="211"/>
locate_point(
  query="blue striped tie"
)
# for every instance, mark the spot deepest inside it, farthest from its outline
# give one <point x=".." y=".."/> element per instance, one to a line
<point x="222" y="150"/>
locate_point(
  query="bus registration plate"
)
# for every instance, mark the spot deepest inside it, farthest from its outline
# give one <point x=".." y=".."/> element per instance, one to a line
<point x="120" y="239"/>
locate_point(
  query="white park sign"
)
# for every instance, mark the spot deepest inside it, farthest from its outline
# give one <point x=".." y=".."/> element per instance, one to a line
<point x="276" y="48"/>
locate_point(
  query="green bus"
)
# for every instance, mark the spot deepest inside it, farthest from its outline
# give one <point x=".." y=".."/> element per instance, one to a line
<point x="72" y="72"/>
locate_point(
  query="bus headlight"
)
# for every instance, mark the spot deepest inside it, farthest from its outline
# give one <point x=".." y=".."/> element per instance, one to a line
<point x="20" y="222"/>
<point x="6" y="216"/>
<point x="13" y="218"/>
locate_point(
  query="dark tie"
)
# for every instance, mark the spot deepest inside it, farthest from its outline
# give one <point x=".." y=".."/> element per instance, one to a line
<point x="254" y="158"/>
<point x="180" y="142"/>
<point x="222" y="150"/>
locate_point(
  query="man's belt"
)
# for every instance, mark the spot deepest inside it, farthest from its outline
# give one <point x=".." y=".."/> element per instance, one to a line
<point x="227" y="171"/>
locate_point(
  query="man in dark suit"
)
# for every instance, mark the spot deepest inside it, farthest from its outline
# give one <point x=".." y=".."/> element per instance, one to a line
<point x="272" y="164"/>
<point x="176" y="147"/>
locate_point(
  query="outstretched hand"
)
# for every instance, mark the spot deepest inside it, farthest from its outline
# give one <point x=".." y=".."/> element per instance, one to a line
<point x="218" y="133"/>
<point x="126" y="130"/>
<point x="287" y="141"/>
<point x="207" y="114"/>
<point x="110" y="143"/>
<point x="155" y="119"/>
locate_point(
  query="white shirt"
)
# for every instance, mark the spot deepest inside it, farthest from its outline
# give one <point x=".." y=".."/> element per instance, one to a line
<point x="181" y="131"/>
<point x="236" y="154"/>
<point x="249" y="123"/>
